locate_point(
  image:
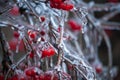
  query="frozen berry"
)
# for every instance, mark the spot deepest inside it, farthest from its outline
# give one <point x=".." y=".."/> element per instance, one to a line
<point x="16" y="34"/>
<point x="48" y="52"/>
<point x="42" y="33"/>
<point x="98" y="69"/>
<point x="74" y="25"/>
<point x="13" y="44"/>
<point x="31" y="55"/>
<point x="15" y="11"/>
<point x="42" y="18"/>
<point x="30" y="71"/>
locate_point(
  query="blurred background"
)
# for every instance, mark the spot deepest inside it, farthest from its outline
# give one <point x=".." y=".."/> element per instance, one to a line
<point x="114" y="36"/>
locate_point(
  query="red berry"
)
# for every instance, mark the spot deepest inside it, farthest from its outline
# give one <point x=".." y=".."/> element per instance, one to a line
<point x="15" y="11"/>
<point x="30" y="71"/>
<point x="48" y="52"/>
<point x="63" y="6"/>
<point x="31" y="55"/>
<point x="42" y="39"/>
<point x="51" y="51"/>
<point x="52" y="5"/>
<point x="68" y="7"/>
<point x="42" y="33"/>
<point x="33" y="35"/>
<point x="42" y="18"/>
<point x="98" y="68"/>
<point x="59" y="4"/>
<point x="36" y="77"/>
<point x="22" y="77"/>
<point x="41" y="76"/>
<point x="13" y="44"/>
<point x="74" y="26"/>
<point x="16" y="34"/>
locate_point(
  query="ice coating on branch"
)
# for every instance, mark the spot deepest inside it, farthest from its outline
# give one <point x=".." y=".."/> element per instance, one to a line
<point x="75" y="48"/>
<point x="80" y="64"/>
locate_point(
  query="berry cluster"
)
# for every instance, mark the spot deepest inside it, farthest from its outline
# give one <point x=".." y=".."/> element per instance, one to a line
<point x="60" y="4"/>
<point x="34" y="73"/>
